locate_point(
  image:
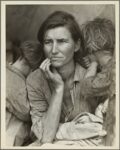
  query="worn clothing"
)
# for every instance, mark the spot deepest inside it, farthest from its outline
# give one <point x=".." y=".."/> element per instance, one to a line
<point x="39" y="95"/>
<point x="16" y="94"/>
<point x="17" y="131"/>
<point x="65" y="144"/>
<point x="84" y="126"/>
<point x="17" y="108"/>
<point x="103" y="81"/>
<point x="110" y="119"/>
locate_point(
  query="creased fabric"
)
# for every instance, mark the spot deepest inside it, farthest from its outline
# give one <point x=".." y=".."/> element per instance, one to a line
<point x="79" y="143"/>
<point x="84" y="126"/>
<point x="39" y="94"/>
<point x="103" y="83"/>
<point x="17" y="131"/>
<point x="16" y="94"/>
<point x="18" y="121"/>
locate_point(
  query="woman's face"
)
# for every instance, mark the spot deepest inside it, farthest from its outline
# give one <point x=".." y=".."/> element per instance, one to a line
<point x="59" y="46"/>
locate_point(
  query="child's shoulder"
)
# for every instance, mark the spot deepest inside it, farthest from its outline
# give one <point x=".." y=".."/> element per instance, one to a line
<point x="110" y="64"/>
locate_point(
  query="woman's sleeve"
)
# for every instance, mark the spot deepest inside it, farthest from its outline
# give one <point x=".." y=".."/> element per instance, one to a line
<point x="38" y="104"/>
<point x="98" y="85"/>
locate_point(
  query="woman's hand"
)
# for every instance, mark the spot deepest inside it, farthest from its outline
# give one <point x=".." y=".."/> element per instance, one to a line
<point x="52" y="116"/>
<point x="52" y="75"/>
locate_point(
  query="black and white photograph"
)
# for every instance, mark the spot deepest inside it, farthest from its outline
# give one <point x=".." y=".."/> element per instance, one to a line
<point x="60" y="74"/>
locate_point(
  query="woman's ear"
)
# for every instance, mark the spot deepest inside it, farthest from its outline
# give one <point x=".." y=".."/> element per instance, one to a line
<point x="78" y="45"/>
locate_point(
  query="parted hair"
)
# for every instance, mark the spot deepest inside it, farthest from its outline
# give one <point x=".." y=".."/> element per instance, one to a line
<point x="63" y="19"/>
<point x="31" y="52"/>
<point x="99" y="34"/>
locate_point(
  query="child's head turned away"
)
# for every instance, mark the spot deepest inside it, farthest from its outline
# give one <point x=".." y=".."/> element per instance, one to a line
<point x="99" y="34"/>
<point x="32" y="53"/>
<point x="99" y="37"/>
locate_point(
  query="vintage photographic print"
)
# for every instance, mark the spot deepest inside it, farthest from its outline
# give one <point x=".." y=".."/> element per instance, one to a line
<point x="59" y="74"/>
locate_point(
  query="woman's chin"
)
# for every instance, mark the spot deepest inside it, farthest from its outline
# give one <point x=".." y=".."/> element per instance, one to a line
<point x="56" y="65"/>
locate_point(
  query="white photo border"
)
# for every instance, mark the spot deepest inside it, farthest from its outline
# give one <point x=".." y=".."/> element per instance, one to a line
<point x="3" y="64"/>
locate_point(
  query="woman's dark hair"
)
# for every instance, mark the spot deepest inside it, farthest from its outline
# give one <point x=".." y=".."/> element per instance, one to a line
<point x="58" y="19"/>
<point x="32" y="53"/>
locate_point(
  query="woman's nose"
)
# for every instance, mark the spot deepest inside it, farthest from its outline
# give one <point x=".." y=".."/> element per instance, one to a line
<point x="54" y="48"/>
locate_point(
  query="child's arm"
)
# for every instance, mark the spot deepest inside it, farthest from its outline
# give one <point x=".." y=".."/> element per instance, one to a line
<point x="98" y="85"/>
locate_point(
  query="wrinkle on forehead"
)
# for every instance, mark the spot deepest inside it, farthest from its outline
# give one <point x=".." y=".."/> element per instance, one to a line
<point x="58" y="33"/>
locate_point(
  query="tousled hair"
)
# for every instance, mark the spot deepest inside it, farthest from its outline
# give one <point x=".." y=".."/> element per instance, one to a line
<point x="99" y="34"/>
<point x="31" y="52"/>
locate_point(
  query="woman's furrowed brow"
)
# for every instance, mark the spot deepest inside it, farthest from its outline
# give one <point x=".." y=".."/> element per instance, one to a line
<point x="62" y="39"/>
<point x="59" y="38"/>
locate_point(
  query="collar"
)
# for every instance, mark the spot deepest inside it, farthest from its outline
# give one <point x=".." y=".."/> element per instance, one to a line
<point x="79" y="72"/>
<point x="15" y="70"/>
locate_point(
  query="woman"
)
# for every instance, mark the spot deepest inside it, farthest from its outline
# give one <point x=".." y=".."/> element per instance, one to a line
<point x="55" y="90"/>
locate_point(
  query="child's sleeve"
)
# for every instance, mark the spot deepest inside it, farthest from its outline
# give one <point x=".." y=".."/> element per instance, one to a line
<point x="98" y="85"/>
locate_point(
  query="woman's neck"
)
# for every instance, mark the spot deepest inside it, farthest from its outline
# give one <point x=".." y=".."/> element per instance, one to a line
<point x="67" y="70"/>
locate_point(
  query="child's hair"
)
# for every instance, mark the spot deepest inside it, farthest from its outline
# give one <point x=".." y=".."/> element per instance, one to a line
<point x="32" y="53"/>
<point x="99" y="34"/>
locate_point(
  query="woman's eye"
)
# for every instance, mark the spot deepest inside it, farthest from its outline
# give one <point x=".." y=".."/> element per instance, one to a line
<point x="47" y="42"/>
<point x="62" y="41"/>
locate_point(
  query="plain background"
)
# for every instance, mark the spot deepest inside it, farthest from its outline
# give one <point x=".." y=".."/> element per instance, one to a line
<point x="23" y="21"/>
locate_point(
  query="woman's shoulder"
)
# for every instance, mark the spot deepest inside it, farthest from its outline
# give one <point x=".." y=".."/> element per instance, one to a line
<point x="36" y="74"/>
<point x="36" y="77"/>
<point x="80" y="71"/>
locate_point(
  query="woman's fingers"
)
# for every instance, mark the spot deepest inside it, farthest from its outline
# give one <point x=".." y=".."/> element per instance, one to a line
<point x="52" y="75"/>
<point x="48" y="71"/>
<point x="45" y="67"/>
<point x="44" y="63"/>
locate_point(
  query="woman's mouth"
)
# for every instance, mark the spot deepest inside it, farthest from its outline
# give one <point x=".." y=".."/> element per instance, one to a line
<point x="55" y="58"/>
